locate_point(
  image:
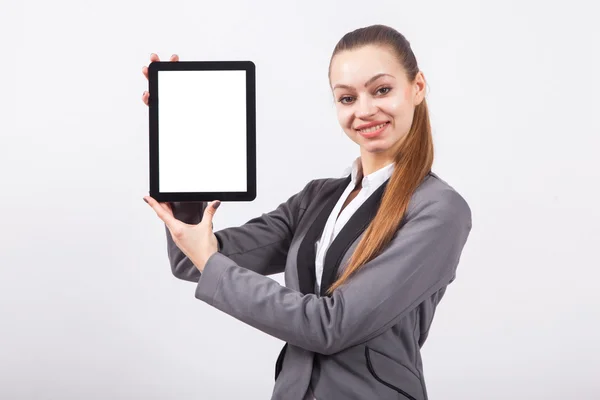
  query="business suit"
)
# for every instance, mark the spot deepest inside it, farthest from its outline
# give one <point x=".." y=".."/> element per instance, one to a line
<point x="364" y="340"/>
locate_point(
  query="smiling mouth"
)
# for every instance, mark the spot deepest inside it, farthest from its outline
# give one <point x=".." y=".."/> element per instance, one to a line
<point x="372" y="128"/>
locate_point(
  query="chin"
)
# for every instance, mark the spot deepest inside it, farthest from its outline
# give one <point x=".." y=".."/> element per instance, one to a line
<point x="376" y="149"/>
<point x="373" y="147"/>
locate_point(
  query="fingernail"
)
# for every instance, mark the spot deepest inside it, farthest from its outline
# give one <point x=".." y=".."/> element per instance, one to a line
<point x="145" y="200"/>
<point x="217" y="204"/>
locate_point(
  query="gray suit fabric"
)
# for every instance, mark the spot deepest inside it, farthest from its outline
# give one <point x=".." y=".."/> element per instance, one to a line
<point x="363" y="341"/>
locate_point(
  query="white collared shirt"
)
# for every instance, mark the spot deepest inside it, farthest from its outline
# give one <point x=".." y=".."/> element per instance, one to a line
<point x="334" y="225"/>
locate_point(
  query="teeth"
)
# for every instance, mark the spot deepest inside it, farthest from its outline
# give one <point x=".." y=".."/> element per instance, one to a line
<point x="372" y="129"/>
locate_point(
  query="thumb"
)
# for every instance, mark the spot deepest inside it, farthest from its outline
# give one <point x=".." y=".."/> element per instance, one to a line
<point x="210" y="211"/>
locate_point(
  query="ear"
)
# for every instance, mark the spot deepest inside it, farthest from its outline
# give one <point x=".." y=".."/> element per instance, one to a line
<point x="419" y="86"/>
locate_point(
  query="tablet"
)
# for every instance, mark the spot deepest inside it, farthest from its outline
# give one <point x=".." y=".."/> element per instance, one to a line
<point x="202" y="130"/>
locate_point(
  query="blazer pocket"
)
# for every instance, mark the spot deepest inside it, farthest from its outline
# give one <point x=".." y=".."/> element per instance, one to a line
<point x="394" y="375"/>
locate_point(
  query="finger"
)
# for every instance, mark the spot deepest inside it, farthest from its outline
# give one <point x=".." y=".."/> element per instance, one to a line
<point x="167" y="207"/>
<point x="153" y="57"/>
<point x="165" y="216"/>
<point x="210" y="211"/>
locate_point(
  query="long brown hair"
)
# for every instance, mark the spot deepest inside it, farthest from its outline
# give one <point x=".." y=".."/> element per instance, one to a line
<point x="413" y="160"/>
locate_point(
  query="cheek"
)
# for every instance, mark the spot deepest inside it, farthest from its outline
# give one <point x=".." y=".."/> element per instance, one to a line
<point x="397" y="105"/>
<point x="344" y="117"/>
<point x="400" y="109"/>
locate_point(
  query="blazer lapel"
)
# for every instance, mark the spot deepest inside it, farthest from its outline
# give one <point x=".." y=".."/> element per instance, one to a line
<point x="349" y="233"/>
<point x="306" y="251"/>
<point x="355" y="226"/>
<point x="307" y="254"/>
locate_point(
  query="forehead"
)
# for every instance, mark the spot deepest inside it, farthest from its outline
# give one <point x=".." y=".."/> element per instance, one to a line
<point x="355" y="67"/>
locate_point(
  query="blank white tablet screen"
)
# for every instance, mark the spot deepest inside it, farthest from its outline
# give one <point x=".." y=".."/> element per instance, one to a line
<point x="202" y="131"/>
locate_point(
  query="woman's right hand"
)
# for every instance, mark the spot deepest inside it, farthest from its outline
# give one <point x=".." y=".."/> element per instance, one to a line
<point x="153" y="57"/>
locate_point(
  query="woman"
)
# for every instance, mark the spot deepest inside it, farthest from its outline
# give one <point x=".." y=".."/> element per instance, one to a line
<point x="367" y="257"/>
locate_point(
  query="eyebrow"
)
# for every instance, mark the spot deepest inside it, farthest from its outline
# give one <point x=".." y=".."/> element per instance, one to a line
<point x="367" y="83"/>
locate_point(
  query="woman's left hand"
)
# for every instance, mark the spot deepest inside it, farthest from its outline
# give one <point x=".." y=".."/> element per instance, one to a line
<point x="197" y="242"/>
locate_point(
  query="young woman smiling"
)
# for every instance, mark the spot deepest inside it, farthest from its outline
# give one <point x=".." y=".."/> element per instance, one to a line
<point x="367" y="257"/>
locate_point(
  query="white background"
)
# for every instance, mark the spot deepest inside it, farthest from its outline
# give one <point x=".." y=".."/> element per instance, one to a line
<point x="88" y="306"/>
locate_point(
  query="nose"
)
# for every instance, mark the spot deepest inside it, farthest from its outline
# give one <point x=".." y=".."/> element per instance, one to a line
<point x="365" y="108"/>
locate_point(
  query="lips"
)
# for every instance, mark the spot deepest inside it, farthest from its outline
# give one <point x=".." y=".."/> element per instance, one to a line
<point x="374" y="133"/>
<point x="370" y="124"/>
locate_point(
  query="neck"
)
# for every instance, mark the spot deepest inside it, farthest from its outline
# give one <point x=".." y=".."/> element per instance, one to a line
<point x="370" y="163"/>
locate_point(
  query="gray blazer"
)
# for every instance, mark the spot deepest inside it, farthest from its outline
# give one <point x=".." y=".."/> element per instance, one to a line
<point x="362" y="342"/>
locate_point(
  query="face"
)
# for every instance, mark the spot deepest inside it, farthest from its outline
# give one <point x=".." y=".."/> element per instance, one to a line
<point x="370" y="87"/>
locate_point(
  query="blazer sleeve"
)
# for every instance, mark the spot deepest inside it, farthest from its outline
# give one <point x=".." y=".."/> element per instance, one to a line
<point x="420" y="260"/>
<point x="260" y="245"/>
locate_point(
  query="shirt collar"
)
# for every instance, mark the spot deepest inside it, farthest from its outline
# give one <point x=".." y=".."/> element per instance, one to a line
<point x="374" y="179"/>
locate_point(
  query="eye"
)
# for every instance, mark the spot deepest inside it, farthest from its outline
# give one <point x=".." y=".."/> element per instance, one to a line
<point x="386" y="88"/>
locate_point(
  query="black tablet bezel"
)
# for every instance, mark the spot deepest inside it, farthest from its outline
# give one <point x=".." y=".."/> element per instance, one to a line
<point x="153" y="102"/>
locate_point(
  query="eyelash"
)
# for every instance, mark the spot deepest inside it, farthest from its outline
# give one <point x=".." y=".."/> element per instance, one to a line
<point x="383" y="87"/>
